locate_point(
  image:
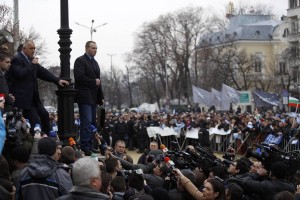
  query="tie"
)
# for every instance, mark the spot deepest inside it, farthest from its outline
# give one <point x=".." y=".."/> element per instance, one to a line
<point x="94" y="65"/>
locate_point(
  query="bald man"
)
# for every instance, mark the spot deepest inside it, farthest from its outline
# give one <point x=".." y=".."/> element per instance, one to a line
<point x="22" y="79"/>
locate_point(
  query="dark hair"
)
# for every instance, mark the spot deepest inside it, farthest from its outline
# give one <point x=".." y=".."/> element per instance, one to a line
<point x="3" y="56"/>
<point x="21" y="154"/>
<point x="88" y="43"/>
<point x="279" y="170"/>
<point x="234" y="192"/>
<point x="136" y="181"/>
<point x="219" y="171"/>
<point x="284" y="195"/>
<point x="242" y="166"/>
<point x="67" y="155"/>
<point x="106" y="180"/>
<point x="111" y="164"/>
<point x="118" y="184"/>
<point x="218" y="186"/>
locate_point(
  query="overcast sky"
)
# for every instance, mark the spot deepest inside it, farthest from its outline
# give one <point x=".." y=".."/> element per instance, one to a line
<point x="124" y="17"/>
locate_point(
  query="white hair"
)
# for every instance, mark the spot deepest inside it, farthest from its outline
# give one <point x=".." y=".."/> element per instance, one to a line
<point x="83" y="170"/>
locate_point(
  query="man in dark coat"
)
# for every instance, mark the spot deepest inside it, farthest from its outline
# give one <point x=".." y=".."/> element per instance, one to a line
<point x="22" y="79"/>
<point x="89" y="93"/>
<point x="4" y="67"/>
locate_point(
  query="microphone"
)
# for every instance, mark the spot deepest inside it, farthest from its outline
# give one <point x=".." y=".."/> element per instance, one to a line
<point x="55" y="128"/>
<point x="28" y="124"/>
<point x="93" y="129"/>
<point x="72" y="143"/>
<point x="53" y="134"/>
<point x="163" y="148"/>
<point x="169" y="163"/>
<point x="37" y="129"/>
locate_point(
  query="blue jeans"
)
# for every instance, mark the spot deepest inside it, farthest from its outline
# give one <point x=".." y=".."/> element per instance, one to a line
<point x="87" y="118"/>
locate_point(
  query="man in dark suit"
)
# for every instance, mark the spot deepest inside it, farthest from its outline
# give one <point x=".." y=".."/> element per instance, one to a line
<point x="89" y="93"/>
<point x="22" y="79"/>
<point x="4" y="66"/>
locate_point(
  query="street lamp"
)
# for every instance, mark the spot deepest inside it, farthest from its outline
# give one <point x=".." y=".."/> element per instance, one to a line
<point x="65" y="94"/>
<point x="92" y="28"/>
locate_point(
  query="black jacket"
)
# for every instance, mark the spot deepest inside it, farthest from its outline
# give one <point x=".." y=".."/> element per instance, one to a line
<point x="268" y="188"/>
<point x="86" y="71"/>
<point x="22" y="81"/>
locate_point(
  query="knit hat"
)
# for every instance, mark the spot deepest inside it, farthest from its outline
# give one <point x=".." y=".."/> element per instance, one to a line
<point x="47" y="146"/>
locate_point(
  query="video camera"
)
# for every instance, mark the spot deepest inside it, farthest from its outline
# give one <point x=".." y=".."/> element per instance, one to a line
<point x="14" y="125"/>
<point x="205" y="160"/>
<point x="267" y="154"/>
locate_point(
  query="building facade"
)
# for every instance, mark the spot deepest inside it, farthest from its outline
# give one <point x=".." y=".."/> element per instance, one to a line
<point x="252" y="46"/>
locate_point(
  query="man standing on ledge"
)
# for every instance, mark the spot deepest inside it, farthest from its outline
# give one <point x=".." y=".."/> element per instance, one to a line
<point x="89" y="93"/>
<point x="22" y="80"/>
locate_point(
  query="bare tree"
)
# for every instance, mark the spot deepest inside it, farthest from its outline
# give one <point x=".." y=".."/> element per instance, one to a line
<point x="166" y="46"/>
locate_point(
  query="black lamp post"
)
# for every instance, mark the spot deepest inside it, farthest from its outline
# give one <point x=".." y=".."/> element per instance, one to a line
<point x="65" y="94"/>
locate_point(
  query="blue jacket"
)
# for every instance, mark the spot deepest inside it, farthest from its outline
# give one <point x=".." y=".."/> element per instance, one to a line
<point x="2" y="132"/>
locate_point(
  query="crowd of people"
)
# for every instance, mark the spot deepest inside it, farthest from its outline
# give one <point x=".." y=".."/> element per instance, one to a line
<point x="35" y="164"/>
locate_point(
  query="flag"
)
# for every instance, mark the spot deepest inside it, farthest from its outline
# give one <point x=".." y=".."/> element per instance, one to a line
<point x="201" y="96"/>
<point x="216" y="97"/>
<point x="293" y="102"/>
<point x="264" y="99"/>
<point x="229" y="95"/>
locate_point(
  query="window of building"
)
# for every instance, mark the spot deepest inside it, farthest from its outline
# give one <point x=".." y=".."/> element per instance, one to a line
<point x="295" y="50"/>
<point x="257" y="64"/>
<point x="294" y="25"/>
<point x="285" y="32"/>
<point x="282" y="68"/>
<point x="293" y="3"/>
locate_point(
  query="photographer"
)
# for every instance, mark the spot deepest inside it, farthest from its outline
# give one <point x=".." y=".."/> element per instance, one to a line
<point x="154" y="179"/>
<point x="268" y="188"/>
<point x="130" y="166"/>
<point x="152" y="147"/>
<point x="137" y="187"/>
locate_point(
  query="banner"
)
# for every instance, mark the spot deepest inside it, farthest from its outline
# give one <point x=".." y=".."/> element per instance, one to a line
<point x="264" y="99"/>
<point x="166" y="131"/>
<point x="229" y="95"/>
<point x="201" y="96"/>
<point x="193" y="133"/>
<point x="216" y="97"/>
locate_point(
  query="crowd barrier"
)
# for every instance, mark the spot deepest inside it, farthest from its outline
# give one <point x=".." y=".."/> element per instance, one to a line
<point x="220" y="140"/>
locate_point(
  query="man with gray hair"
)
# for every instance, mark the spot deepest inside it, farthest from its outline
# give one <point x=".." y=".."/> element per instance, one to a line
<point x="86" y="180"/>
